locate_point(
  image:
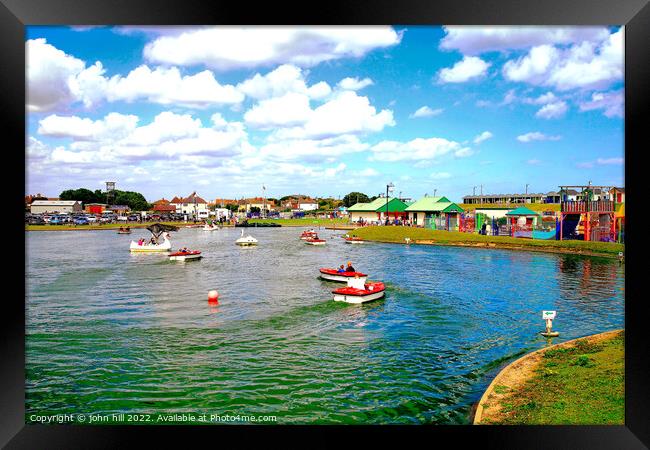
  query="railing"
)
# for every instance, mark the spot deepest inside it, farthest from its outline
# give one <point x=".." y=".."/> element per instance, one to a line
<point x="583" y="207"/>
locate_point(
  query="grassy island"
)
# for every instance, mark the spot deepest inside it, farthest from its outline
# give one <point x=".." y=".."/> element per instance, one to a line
<point x="579" y="382"/>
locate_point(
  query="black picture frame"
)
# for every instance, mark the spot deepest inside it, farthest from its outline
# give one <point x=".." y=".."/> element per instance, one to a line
<point x="634" y="14"/>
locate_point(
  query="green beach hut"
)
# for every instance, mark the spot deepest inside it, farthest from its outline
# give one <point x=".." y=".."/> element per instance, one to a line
<point x="435" y="212"/>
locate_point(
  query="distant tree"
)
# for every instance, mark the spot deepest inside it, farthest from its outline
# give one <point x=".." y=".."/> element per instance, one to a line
<point x="232" y="207"/>
<point x="355" y="197"/>
<point x="255" y="210"/>
<point x="83" y="195"/>
<point x="133" y="200"/>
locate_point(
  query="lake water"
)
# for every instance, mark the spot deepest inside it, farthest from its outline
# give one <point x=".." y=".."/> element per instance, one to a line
<point x="109" y="331"/>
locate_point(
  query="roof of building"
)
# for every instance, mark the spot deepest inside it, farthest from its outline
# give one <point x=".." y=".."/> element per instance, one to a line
<point x="192" y="198"/>
<point x="429" y="204"/>
<point x="162" y="201"/>
<point x="118" y="207"/>
<point x="379" y="205"/>
<point x="163" y="207"/>
<point x="54" y="202"/>
<point x="521" y="211"/>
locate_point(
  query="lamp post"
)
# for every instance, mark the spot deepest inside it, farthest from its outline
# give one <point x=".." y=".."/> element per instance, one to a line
<point x="389" y="188"/>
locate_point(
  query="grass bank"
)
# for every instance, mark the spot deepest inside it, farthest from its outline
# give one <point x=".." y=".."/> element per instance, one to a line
<point x="579" y="382"/>
<point x="305" y="222"/>
<point x="435" y="237"/>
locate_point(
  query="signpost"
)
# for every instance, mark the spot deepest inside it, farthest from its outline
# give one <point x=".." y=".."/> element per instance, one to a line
<point x="548" y="316"/>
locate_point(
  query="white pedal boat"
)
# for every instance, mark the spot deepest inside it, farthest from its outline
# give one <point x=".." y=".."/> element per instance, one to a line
<point x="164" y="247"/>
<point x="212" y="227"/>
<point x="246" y="241"/>
<point x="185" y="256"/>
<point x="342" y="277"/>
<point x="359" y="291"/>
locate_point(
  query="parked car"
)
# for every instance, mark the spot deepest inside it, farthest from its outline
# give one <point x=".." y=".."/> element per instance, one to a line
<point x="36" y="220"/>
<point x="134" y="218"/>
<point x="55" y="220"/>
<point x="81" y="221"/>
<point x="91" y="219"/>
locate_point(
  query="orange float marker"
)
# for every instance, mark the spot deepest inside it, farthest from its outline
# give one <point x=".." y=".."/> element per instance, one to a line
<point x="213" y="296"/>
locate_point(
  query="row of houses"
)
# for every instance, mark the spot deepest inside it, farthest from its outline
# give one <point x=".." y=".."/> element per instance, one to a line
<point x="616" y="194"/>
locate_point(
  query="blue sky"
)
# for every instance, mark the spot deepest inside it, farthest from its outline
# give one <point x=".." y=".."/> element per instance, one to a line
<point x="323" y="110"/>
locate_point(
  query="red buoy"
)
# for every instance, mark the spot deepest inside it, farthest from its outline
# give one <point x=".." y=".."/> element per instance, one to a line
<point x="213" y="296"/>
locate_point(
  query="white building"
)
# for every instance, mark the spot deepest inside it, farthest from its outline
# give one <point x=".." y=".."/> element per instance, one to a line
<point x="55" y="206"/>
<point x="308" y="205"/>
<point x="192" y="206"/>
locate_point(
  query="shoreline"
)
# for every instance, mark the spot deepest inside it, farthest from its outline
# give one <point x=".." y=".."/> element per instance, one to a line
<point x="501" y="246"/>
<point x="515" y="375"/>
<point x="423" y="236"/>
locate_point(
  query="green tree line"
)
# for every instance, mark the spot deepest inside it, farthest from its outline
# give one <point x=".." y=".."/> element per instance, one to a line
<point x="134" y="200"/>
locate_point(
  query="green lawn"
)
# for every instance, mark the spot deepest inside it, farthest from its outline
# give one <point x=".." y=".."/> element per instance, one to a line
<point x="398" y="234"/>
<point x="580" y="385"/>
<point x="306" y="222"/>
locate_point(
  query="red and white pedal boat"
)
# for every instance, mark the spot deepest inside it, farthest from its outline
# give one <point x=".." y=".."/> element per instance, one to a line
<point x="359" y="291"/>
<point x="185" y="256"/>
<point x="315" y="241"/>
<point x="308" y="234"/>
<point x="354" y="240"/>
<point x="334" y="275"/>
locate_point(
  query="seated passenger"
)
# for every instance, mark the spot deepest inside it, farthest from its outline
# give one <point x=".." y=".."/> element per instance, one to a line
<point x="341" y="269"/>
<point x="350" y="268"/>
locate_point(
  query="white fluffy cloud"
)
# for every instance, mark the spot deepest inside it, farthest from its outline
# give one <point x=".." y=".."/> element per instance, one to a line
<point x="553" y="110"/>
<point x="473" y="40"/>
<point x="289" y="110"/>
<point x="114" y="126"/>
<point x="345" y="113"/>
<point x="312" y="150"/>
<point x="167" y="86"/>
<point x="468" y="68"/>
<point x="588" y="65"/>
<point x="482" y="137"/>
<point x="226" y="48"/>
<point x="117" y="139"/>
<point x="610" y="102"/>
<point x="282" y="80"/>
<point x="415" y="150"/>
<point x="56" y="80"/>
<point x="537" y="136"/>
<point x="425" y="111"/>
<point x="354" y="84"/>
<point x="52" y="76"/>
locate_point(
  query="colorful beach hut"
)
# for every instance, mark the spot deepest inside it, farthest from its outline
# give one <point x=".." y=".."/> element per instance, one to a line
<point x="522" y="221"/>
<point x="434" y="212"/>
<point x="378" y="210"/>
<point x="620" y="224"/>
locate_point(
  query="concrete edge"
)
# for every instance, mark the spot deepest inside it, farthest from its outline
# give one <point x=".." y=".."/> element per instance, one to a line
<point x="479" y="407"/>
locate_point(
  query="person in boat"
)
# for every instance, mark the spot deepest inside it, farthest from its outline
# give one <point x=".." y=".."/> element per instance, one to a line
<point x="140" y="241"/>
<point x="350" y="268"/>
<point x="152" y="241"/>
<point x="341" y="269"/>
